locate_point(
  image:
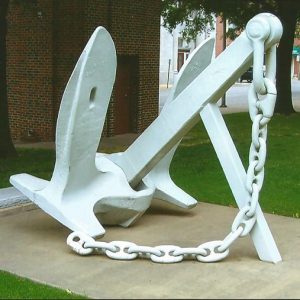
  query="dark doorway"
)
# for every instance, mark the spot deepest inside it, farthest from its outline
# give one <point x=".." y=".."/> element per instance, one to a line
<point x="126" y="94"/>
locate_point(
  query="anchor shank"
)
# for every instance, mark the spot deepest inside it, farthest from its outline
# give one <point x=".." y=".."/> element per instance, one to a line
<point x="183" y="112"/>
<point x="208" y="87"/>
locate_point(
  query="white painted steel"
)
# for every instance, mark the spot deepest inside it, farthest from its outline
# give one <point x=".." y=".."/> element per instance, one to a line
<point x="182" y="114"/>
<point x="159" y="177"/>
<point x="84" y="182"/>
<point x="78" y="183"/>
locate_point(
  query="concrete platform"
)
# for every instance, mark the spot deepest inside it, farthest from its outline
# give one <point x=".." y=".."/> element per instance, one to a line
<point x="10" y="197"/>
<point x="34" y="246"/>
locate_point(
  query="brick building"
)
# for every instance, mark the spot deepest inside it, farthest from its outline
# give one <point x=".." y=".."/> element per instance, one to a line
<point x="46" y="37"/>
<point x="220" y="26"/>
<point x="295" y="70"/>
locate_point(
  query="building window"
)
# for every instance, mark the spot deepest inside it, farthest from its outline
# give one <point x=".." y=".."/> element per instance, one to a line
<point x="182" y="57"/>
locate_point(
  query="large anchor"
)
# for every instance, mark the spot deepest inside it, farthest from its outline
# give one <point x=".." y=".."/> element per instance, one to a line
<point x="119" y="187"/>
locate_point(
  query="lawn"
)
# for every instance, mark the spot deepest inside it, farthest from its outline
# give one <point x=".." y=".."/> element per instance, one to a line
<point x="37" y="162"/>
<point x="15" y="287"/>
<point x="196" y="169"/>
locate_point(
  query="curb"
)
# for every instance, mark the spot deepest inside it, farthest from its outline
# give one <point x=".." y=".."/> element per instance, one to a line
<point x="11" y="197"/>
<point x="12" y="201"/>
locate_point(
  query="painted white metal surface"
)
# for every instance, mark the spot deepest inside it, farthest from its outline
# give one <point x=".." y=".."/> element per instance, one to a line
<point x="180" y="116"/>
<point x="159" y="177"/>
<point x="120" y="187"/>
<point x="236" y="177"/>
<point x="78" y="182"/>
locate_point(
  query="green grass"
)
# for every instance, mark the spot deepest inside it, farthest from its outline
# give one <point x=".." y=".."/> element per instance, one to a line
<point x="196" y="169"/>
<point x="15" y="287"/>
<point x="37" y="162"/>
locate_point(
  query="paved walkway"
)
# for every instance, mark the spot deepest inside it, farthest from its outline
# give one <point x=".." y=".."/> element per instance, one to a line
<point x="236" y="99"/>
<point x="33" y="245"/>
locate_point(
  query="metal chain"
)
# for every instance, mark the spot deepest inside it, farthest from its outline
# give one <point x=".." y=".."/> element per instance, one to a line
<point x="261" y="97"/>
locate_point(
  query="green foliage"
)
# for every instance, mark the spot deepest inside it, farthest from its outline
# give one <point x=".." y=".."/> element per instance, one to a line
<point x="192" y="14"/>
<point x="297" y="32"/>
<point x="15" y="287"/>
<point x="237" y="12"/>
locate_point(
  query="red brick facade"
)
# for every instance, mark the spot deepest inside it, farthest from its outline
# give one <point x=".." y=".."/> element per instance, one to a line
<point x="219" y="36"/>
<point x="45" y="38"/>
<point x="296" y="61"/>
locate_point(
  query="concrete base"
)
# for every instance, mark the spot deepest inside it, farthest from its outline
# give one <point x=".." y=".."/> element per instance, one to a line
<point x="10" y="197"/>
<point x="34" y="246"/>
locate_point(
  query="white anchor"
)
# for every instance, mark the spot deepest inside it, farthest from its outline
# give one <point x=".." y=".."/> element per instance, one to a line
<point x="119" y="187"/>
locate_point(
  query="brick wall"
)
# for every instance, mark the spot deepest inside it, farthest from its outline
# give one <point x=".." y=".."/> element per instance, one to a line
<point x="220" y="36"/>
<point x="135" y="30"/>
<point x="68" y="43"/>
<point x="30" y="69"/>
<point x="143" y="19"/>
<point x="296" y="70"/>
<point x="45" y="39"/>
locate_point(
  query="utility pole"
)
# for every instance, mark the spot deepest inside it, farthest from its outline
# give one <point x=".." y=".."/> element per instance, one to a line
<point x="168" y="73"/>
<point x="223" y="104"/>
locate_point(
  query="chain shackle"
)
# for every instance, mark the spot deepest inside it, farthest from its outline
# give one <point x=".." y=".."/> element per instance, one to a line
<point x="254" y="201"/>
<point x="258" y="131"/>
<point x="258" y="30"/>
<point x="271" y="63"/>
<point x="242" y="220"/>
<point x="167" y="254"/>
<point x="76" y="240"/>
<point x="213" y="252"/>
<point x="265" y="105"/>
<point x="261" y="97"/>
<point x="121" y="251"/>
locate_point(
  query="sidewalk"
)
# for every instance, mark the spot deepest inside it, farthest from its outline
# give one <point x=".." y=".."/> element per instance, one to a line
<point x="236" y="98"/>
<point x="34" y="246"/>
<point x="116" y="142"/>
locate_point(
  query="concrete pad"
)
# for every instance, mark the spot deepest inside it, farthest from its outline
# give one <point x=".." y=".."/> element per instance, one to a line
<point x="34" y="246"/>
<point x="11" y="197"/>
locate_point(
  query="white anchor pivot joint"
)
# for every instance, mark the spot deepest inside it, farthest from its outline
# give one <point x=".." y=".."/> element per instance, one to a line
<point x="90" y="189"/>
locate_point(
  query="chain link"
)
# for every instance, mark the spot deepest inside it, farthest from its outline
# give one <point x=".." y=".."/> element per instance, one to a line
<point x="261" y="98"/>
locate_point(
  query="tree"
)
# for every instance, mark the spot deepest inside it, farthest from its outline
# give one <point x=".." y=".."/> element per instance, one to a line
<point x="7" y="148"/>
<point x="194" y="14"/>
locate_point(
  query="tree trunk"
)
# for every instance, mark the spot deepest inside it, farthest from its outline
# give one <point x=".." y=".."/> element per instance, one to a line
<point x="287" y="13"/>
<point x="7" y="148"/>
